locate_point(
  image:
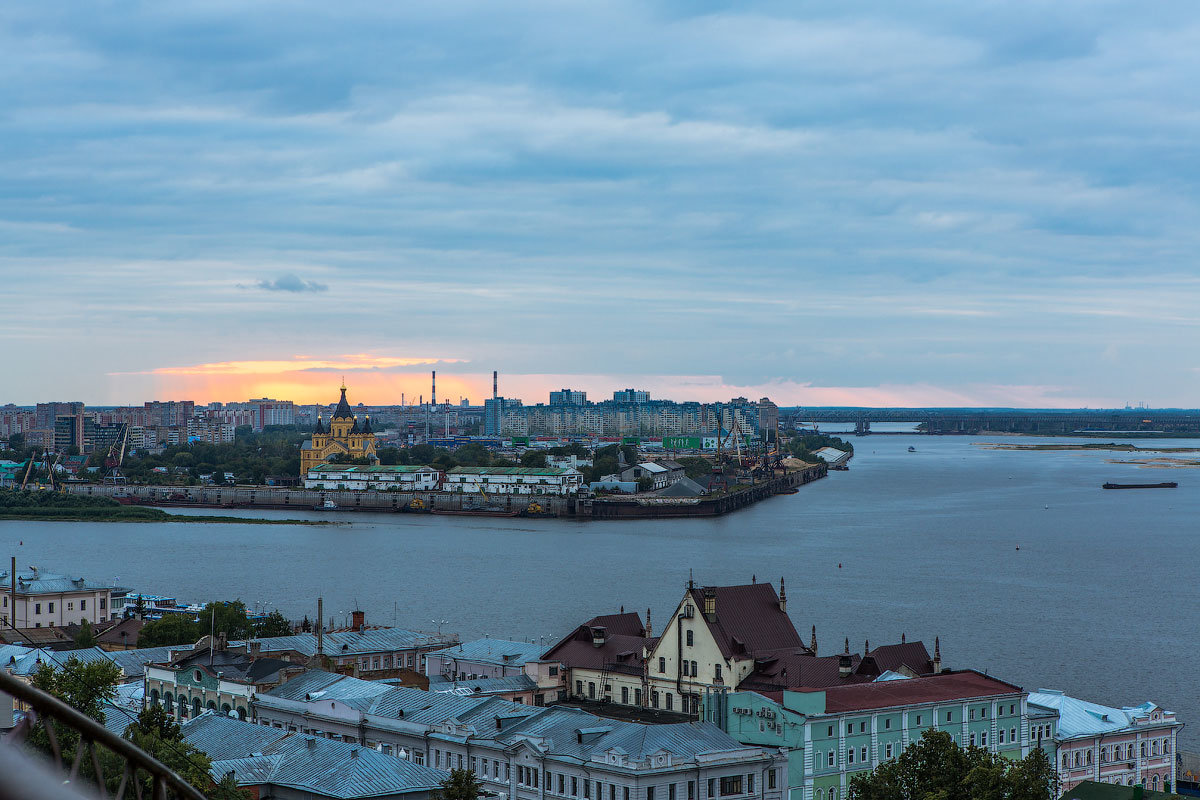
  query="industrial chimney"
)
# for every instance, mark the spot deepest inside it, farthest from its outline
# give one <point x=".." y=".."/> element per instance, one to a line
<point x="433" y="395"/>
<point x="495" y="384"/>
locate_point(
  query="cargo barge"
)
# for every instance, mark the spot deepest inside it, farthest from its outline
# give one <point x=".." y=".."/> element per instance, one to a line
<point x="1165" y="485"/>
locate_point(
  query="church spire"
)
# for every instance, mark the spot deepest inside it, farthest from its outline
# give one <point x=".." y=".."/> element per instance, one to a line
<point x="320" y="428"/>
<point x="343" y="407"/>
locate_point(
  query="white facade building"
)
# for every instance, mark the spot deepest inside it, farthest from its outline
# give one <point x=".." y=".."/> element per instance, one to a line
<point x="360" y="477"/>
<point x="46" y="600"/>
<point x="513" y="480"/>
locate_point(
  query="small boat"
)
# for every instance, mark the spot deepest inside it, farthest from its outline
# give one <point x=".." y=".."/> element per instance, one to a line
<point x="912" y="449"/>
<point x="326" y="505"/>
<point x="1164" y="485"/>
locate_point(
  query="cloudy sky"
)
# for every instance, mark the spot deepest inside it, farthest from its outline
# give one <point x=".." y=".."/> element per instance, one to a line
<point x="987" y="203"/>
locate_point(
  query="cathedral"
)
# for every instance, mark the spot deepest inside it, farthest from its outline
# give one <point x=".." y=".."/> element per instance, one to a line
<point x="343" y="437"/>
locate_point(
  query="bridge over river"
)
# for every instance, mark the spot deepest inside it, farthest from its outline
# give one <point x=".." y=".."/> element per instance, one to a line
<point x="1047" y="422"/>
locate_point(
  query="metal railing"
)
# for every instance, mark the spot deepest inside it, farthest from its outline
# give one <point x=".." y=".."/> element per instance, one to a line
<point x="44" y="711"/>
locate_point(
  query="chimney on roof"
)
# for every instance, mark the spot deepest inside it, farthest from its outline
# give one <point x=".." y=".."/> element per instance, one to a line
<point x="866" y="646"/>
<point x="937" y="654"/>
<point x="902" y="638"/>
<point x="812" y="645"/>
<point x="599" y="634"/>
<point x="358" y="620"/>
<point x="255" y="648"/>
<point x="649" y="629"/>
<point x="710" y="603"/>
<point x="782" y="596"/>
<point x="221" y="642"/>
<point x="844" y="662"/>
<point x="312" y="742"/>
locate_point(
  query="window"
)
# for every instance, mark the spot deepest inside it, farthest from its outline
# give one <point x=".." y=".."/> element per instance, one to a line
<point x="671" y="791"/>
<point x="37" y="608"/>
<point x="971" y="715"/>
<point x="662" y="664"/>
<point x="1143" y="748"/>
<point x="689" y="639"/>
<point x="830" y="731"/>
<point x="949" y="716"/>
<point x="83" y="605"/>
<point x="1002" y="736"/>
<point x="670" y="704"/>
<point x="1154" y="748"/>
<point x="1075" y="759"/>
<point x="437" y="758"/>
<point x="587" y="790"/>
<point x="887" y="724"/>
<point x="972" y="740"/>
<point x="626" y="793"/>
<point x="711" y="790"/>
<point x="862" y="726"/>
<point x="731" y="784"/>
<point x="654" y="699"/>
<point x="1011" y="710"/>
<point x="717" y="671"/>
<point x="103" y="603"/>
<point x="1066" y="763"/>
<point x="553" y="671"/>
<point x="649" y="793"/>
<point x="625" y="695"/>
<point x="574" y="786"/>
<point x="887" y="750"/>
<point x="579" y="688"/>
<point x="1012" y="735"/>
<point x="1089" y="757"/>
<point x="829" y="759"/>
<point x="983" y="739"/>
<point x="983" y="713"/>
<point x="850" y="756"/>
<point x="770" y="780"/>
<point x="863" y="755"/>
<point x="750" y="783"/>
<point x="592" y="690"/>
<point x="695" y="672"/>
<point x="561" y="782"/>
<point x="918" y="719"/>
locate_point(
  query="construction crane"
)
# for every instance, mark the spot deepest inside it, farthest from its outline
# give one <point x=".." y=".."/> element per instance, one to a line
<point x="28" y="471"/>
<point x="116" y="457"/>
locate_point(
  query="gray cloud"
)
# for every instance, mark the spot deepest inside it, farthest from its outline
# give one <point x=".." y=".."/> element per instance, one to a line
<point x="291" y="283"/>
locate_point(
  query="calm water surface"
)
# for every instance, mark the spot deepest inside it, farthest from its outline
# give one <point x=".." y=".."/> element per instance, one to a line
<point x="1100" y="600"/>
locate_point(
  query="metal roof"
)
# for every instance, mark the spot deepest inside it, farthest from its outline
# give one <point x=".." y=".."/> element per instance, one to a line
<point x="485" y="686"/>
<point x="371" y="469"/>
<point x="377" y="640"/>
<point x="546" y="471"/>
<point x="500" y="652"/>
<point x="320" y="766"/>
<point x="36" y="581"/>
<point x="1081" y="718"/>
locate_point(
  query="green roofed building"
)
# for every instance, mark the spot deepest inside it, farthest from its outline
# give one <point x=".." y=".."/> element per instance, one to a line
<point x="361" y="477"/>
<point x="513" y="480"/>
<point x="1092" y="790"/>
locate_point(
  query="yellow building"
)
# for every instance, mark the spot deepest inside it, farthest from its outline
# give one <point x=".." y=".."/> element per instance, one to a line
<point x="344" y="437"/>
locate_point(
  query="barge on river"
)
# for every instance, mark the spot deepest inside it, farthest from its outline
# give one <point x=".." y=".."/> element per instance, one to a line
<point x="1165" y="485"/>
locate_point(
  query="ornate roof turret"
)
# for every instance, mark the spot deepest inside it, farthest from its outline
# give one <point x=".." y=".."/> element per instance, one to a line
<point x="320" y="428"/>
<point x="355" y="429"/>
<point x="343" y="408"/>
<point x="366" y="428"/>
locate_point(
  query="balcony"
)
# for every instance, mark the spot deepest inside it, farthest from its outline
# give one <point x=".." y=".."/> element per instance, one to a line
<point x="24" y="776"/>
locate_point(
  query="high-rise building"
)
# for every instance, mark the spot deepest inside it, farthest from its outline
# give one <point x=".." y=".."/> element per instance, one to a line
<point x="631" y="396"/>
<point x="568" y="397"/>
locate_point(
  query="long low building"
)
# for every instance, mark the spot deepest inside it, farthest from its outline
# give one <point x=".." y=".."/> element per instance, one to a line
<point x="526" y="752"/>
<point x="513" y="480"/>
<point x="361" y="477"/>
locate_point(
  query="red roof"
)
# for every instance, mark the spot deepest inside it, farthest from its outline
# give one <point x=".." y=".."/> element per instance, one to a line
<point x="793" y="668"/>
<point x="620" y="651"/>
<point x="748" y="619"/>
<point x="943" y="687"/>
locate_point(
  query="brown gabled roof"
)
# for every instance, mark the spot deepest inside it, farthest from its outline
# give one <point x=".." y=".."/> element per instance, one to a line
<point x="748" y="620"/>
<point x="620" y="652"/>
<point x="626" y="623"/>
<point x="131" y="628"/>
<point x="793" y="668"/>
<point x="932" y="689"/>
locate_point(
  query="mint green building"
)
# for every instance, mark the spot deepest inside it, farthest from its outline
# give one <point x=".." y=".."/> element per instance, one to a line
<point x="831" y="734"/>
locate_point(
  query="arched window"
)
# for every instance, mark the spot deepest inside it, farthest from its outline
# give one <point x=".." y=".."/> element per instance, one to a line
<point x="1154" y="782"/>
<point x="212" y="706"/>
<point x="1066" y="763"/>
<point x="241" y="712"/>
<point x="1143" y="748"/>
<point x="1154" y="747"/>
<point x="196" y="707"/>
<point x="1166" y="746"/>
<point x="154" y="697"/>
<point x="1075" y="759"/>
<point x="1103" y="755"/>
<point x="1089" y="757"/>
<point x="225" y="709"/>
<point x="169" y="703"/>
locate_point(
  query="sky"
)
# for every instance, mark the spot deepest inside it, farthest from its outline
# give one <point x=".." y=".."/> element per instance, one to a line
<point x="988" y="203"/>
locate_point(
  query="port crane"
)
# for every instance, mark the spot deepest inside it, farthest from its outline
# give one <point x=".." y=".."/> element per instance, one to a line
<point x="116" y="457"/>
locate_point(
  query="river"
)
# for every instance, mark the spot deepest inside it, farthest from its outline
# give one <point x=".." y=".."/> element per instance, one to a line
<point x="1100" y="599"/>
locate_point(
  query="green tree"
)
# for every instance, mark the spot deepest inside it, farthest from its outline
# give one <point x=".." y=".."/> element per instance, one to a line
<point x="645" y="484"/>
<point x="85" y="686"/>
<point x="170" y="630"/>
<point x="276" y="624"/>
<point x="461" y="785"/>
<point x="161" y="737"/>
<point x="16" y="441"/>
<point x="533" y="458"/>
<point x="85" y="637"/>
<point x="935" y="768"/>
<point x="230" y="619"/>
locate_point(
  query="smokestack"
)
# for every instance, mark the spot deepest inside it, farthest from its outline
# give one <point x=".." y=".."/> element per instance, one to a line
<point x="495" y="384"/>
<point x="433" y="395"/>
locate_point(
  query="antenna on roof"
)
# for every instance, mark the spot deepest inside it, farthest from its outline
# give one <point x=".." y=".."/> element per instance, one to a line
<point x="691" y="582"/>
